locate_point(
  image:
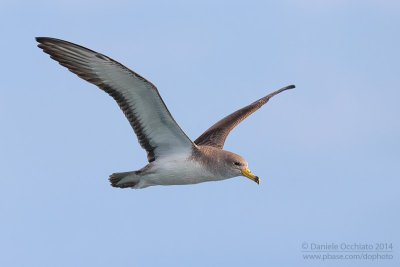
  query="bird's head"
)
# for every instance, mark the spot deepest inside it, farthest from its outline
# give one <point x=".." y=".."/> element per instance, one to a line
<point x="238" y="166"/>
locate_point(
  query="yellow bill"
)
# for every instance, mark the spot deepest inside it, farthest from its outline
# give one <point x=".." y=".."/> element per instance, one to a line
<point x="247" y="173"/>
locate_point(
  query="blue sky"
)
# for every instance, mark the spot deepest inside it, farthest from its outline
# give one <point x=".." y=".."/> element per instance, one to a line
<point x="327" y="152"/>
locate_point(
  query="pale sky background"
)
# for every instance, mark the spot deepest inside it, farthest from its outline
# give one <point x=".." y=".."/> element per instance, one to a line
<point x="327" y="152"/>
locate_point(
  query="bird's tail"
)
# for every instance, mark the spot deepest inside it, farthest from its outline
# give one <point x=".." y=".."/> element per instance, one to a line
<point x="124" y="179"/>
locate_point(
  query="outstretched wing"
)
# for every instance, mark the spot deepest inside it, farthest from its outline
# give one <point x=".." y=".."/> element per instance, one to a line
<point x="157" y="131"/>
<point x="216" y="135"/>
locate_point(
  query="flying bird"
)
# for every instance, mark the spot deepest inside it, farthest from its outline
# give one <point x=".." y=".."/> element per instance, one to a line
<point x="174" y="159"/>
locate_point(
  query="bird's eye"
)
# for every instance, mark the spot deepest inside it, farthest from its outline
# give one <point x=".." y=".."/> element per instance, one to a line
<point x="237" y="163"/>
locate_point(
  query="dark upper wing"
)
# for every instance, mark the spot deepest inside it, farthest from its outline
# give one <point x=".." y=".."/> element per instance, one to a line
<point x="156" y="129"/>
<point x="216" y="135"/>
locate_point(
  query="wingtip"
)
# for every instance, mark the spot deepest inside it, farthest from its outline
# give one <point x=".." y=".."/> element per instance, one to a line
<point x="266" y="98"/>
<point x="43" y="40"/>
<point x="283" y="89"/>
<point x="289" y="87"/>
<point x="39" y="39"/>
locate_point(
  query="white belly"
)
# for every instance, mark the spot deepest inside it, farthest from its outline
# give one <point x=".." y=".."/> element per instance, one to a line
<point x="177" y="170"/>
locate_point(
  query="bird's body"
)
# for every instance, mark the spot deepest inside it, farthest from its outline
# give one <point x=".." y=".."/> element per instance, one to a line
<point x="173" y="158"/>
<point x="178" y="169"/>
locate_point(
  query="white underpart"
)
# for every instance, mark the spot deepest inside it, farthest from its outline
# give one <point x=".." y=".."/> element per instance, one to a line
<point x="176" y="169"/>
